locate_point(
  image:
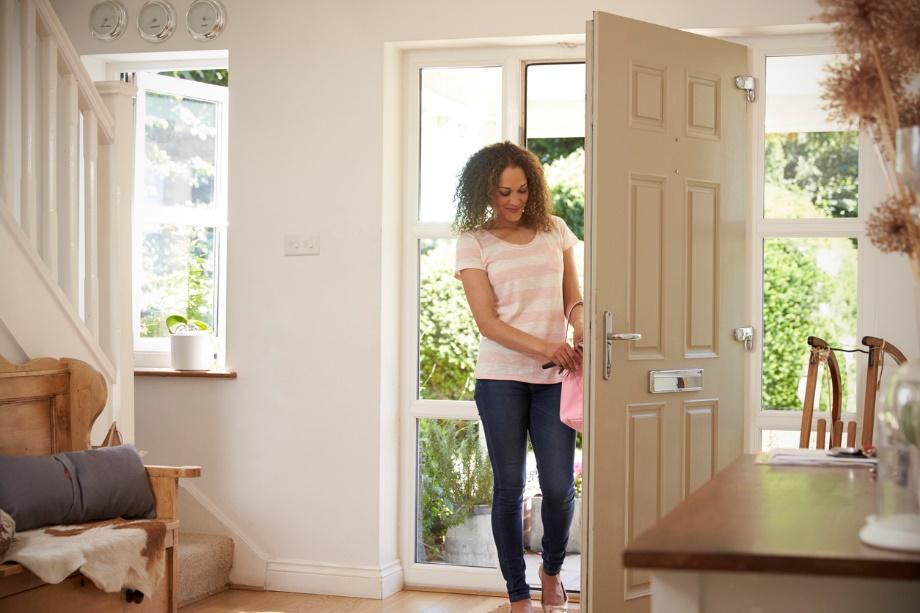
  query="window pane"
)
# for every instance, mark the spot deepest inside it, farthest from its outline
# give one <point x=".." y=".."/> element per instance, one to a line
<point x="556" y="134"/>
<point x="809" y="289"/>
<point x="784" y="439"/>
<point x="811" y="165"/>
<point x="180" y="148"/>
<point x="177" y="276"/>
<point x="461" y="112"/>
<point x="448" y="338"/>
<point x="453" y="524"/>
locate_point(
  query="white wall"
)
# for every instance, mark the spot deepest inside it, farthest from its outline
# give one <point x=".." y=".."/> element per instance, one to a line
<point x="300" y="451"/>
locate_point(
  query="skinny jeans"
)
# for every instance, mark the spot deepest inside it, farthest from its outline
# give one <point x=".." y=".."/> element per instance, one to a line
<point x="510" y="410"/>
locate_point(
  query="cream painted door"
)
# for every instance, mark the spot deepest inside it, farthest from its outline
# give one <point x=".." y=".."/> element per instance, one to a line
<point x="666" y="220"/>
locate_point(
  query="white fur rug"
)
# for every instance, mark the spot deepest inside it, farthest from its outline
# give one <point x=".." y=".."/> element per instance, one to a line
<point x="114" y="554"/>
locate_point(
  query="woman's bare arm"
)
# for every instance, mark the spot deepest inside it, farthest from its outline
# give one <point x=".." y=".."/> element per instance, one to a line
<point x="571" y="294"/>
<point x="481" y="299"/>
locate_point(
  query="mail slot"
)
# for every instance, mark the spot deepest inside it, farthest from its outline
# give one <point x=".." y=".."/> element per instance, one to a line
<point x="670" y="381"/>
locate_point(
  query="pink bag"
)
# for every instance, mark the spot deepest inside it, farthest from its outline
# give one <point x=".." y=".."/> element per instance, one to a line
<point x="571" y="403"/>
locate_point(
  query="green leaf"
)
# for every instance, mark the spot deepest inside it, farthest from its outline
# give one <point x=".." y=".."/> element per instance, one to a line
<point x="174" y="321"/>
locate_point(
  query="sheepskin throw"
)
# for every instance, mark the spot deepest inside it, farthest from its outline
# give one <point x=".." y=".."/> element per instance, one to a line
<point x="114" y="554"/>
<point x="7" y="530"/>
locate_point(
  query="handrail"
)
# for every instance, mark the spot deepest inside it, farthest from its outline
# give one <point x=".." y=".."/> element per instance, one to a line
<point x="89" y="97"/>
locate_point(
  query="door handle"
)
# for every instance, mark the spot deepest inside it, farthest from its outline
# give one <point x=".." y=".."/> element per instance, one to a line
<point x="609" y="337"/>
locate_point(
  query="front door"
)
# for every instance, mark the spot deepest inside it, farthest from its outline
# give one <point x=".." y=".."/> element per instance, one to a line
<point x="666" y="216"/>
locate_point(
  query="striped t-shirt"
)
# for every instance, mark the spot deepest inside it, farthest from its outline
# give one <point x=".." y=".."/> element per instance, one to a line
<point x="527" y="282"/>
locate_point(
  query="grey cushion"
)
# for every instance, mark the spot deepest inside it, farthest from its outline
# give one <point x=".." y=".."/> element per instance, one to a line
<point x="39" y="490"/>
<point x="75" y="487"/>
<point x="113" y="483"/>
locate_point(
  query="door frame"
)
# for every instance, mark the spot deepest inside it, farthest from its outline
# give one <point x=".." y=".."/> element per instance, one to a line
<point x="513" y="58"/>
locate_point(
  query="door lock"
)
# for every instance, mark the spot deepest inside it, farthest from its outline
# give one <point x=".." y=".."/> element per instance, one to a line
<point x="745" y="334"/>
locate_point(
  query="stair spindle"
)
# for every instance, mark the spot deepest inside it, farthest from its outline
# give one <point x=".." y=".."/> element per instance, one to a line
<point x="48" y="221"/>
<point x="29" y="181"/>
<point x="9" y="131"/>
<point x="91" y="220"/>
<point x="68" y="187"/>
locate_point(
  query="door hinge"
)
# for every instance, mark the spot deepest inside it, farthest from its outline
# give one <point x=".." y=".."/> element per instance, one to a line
<point x="746" y="83"/>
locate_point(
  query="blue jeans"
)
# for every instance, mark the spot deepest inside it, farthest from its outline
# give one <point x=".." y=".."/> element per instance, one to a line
<point x="509" y="411"/>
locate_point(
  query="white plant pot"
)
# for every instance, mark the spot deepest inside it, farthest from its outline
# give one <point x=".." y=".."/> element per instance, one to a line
<point x="191" y="351"/>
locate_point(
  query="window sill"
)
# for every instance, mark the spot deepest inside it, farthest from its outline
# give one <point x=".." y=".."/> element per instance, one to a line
<point x="192" y="374"/>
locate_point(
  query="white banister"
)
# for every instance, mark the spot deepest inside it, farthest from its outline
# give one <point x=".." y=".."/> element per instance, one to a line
<point x="9" y="134"/>
<point x="48" y="79"/>
<point x="91" y="220"/>
<point x="68" y="188"/>
<point x="28" y="191"/>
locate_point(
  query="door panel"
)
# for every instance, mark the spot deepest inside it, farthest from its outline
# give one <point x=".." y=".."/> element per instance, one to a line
<point x="666" y="220"/>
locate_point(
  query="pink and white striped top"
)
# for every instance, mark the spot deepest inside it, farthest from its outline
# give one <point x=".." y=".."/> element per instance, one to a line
<point x="527" y="282"/>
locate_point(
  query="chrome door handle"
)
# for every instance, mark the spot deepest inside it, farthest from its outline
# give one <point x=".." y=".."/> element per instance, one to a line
<point x="609" y="337"/>
<point x="624" y="336"/>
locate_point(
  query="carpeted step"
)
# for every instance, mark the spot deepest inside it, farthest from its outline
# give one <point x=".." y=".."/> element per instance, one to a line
<point x="204" y="565"/>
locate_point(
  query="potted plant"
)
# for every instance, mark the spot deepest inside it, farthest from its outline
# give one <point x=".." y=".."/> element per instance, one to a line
<point x="190" y="343"/>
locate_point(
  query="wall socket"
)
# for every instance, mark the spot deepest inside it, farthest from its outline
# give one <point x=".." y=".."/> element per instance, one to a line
<point x="301" y="244"/>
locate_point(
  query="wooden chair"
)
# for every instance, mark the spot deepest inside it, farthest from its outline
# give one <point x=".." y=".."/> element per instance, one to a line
<point x="878" y="348"/>
<point x="49" y="406"/>
<point x="822" y="353"/>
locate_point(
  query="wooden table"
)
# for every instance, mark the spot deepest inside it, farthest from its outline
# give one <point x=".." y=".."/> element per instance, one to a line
<point x="796" y="526"/>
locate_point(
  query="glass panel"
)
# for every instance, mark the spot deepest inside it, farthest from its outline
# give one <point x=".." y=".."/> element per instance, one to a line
<point x="783" y="439"/>
<point x="556" y="134"/>
<point x="461" y="112"/>
<point x="811" y="164"/>
<point x="180" y="149"/>
<point x="178" y="266"/>
<point x="809" y="289"/>
<point x="448" y="338"/>
<point x="453" y="522"/>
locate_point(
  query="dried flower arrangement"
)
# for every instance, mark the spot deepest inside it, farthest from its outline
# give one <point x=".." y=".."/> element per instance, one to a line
<point x="875" y="82"/>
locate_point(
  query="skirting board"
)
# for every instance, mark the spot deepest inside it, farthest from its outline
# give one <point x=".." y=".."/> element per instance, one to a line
<point x="333" y="579"/>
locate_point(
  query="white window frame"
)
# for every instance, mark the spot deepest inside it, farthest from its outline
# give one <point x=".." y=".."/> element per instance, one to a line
<point x="760" y="228"/>
<point x="513" y="60"/>
<point x="155" y="352"/>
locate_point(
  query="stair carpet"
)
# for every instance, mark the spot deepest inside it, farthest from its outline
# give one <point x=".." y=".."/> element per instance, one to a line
<point x="204" y="566"/>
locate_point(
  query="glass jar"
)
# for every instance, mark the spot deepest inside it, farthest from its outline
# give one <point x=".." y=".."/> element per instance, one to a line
<point x="896" y="523"/>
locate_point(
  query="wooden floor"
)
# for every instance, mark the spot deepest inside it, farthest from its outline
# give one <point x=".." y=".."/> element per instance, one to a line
<point x="244" y="601"/>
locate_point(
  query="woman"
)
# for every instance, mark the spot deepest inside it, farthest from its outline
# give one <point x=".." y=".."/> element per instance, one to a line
<point x="518" y="271"/>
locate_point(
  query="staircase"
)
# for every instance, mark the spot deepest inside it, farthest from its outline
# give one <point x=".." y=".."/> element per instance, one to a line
<point x="66" y="190"/>
<point x="66" y="177"/>
<point x="204" y="565"/>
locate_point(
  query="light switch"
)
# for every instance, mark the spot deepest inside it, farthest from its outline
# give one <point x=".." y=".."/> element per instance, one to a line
<point x="301" y="244"/>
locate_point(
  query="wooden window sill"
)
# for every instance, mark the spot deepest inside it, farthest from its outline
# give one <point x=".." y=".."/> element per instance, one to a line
<point x="200" y="374"/>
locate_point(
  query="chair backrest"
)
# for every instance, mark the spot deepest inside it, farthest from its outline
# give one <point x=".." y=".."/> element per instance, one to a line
<point x="821" y="353"/>
<point x="48" y="405"/>
<point x="878" y="348"/>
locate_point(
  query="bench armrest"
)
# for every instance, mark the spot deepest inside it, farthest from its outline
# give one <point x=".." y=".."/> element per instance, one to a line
<point x="164" y="481"/>
<point x="173" y="471"/>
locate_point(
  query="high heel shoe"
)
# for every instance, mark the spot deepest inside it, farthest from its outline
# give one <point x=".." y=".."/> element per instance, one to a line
<point x="555" y="608"/>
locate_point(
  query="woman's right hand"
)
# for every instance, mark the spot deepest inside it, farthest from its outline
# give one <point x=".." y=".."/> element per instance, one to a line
<point x="563" y="355"/>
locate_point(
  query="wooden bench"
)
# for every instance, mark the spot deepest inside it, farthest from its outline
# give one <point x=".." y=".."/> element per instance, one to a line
<point x="49" y="406"/>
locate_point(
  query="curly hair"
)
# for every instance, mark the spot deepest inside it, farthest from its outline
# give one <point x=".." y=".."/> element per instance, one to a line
<point x="480" y="176"/>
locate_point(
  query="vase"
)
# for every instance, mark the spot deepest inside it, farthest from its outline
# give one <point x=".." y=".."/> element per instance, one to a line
<point x="907" y="160"/>
<point x="896" y="522"/>
<point x="191" y="351"/>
